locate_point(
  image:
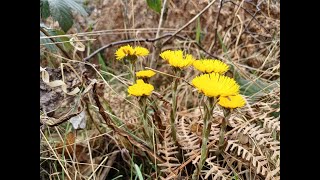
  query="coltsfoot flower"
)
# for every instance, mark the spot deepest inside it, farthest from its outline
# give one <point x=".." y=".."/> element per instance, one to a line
<point x="145" y="74"/>
<point x="210" y="65"/>
<point x="232" y="102"/>
<point x="140" y="88"/>
<point x="215" y="84"/>
<point x="177" y="59"/>
<point x="129" y="51"/>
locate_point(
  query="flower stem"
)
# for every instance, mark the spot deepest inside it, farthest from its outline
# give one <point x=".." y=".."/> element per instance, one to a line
<point x="132" y="69"/>
<point x="205" y="136"/>
<point x="145" y="123"/>
<point x="227" y="113"/>
<point x="174" y="108"/>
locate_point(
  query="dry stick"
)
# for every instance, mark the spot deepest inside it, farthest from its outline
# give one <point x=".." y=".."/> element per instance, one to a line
<point x="216" y="26"/>
<point x="111" y="31"/>
<point x="145" y="40"/>
<point x="124" y="42"/>
<point x="157" y="47"/>
<point x="170" y="76"/>
<point x="193" y="19"/>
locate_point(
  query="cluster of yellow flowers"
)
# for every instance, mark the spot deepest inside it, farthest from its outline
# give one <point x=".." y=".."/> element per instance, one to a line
<point x="177" y="59"/>
<point x="213" y="83"/>
<point x="140" y="88"/>
<point x="210" y="65"/>
<point x="129" y="52"/>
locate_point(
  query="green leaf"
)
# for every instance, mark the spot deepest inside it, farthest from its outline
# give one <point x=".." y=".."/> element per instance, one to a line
<point x="54" y="32"/>
<point x="44" y="9"/>
<point x="67" y="46"/>
<point x="62" y="14"/>
<point x="255" y="88"/>
<point x="60" y="10"/>
<point x="198" y="30"/>
<point x="137" y="168"/>
<point x="155" y="5"/>
<point x="50" y="47"/>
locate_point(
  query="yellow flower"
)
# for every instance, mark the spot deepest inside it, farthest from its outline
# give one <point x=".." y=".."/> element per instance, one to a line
<point x="211" y="65"/>
<point x="127" y="50"/>
<point x="232" y="102"/>
<point x="141" y="51"/>
<point x="145" y="74"/>
<point x="140" y="88"/>
<point x="177" y="59"/>
<point x="215" y="84"/>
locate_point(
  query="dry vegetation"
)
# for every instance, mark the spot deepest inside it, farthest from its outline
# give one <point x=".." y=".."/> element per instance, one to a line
<point x="94" y="132"/>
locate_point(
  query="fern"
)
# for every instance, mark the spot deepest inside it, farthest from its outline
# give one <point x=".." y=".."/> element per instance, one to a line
<point x="189" y="135"/>
<point x="259" y="162"/>
<point x="168" y="150"/>
<point x="272" y="124"/>
<point x="187" y="139"/>
<point x="215" y="170"/>
<point x="257" y="133"/>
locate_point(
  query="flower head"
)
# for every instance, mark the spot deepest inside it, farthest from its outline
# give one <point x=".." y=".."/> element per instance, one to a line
<point x="232" y="102"/>
<point x="215" y="84"/>
<point x="140" y="88"/>
<point x="141" y="51"/>
<point x="211" y="65"/>
<point x="128" y="50"/>
<point x="145" y="74"/>
<point x="177" y="59"/>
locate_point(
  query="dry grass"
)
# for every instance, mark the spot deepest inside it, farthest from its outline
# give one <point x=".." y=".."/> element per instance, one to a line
<point x="251" y="46"/>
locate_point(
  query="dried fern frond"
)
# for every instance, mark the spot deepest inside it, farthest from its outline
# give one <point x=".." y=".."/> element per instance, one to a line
<point x="259" y="162"/>
<point x="256" y="132"/>
<point x="187" y="138"/>
<point x="272" y="124"/>
<point x="215" y="170"/>
<point x="190" y="132"/>
<point x="168" y="151"/>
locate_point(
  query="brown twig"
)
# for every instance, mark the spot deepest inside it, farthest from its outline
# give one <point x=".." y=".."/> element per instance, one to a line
<point x="124" y="42"/>
<point x="158" y="46"/>
<point x="216" y="24"/>
<point x="145" y="40"/>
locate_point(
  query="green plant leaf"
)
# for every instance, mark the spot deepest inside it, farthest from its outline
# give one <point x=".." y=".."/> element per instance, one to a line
<point x="67" y="46"/>
<point x="198" y="30"/>
<point x="255" y="89"/>
<point x="155" y="5"/>
<point x="54" y="32"/>
<point x="138" y="171"/>
<point x="44" y="9"/>
<point x="60" y="10"/>
<point x="46" y="41"/>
